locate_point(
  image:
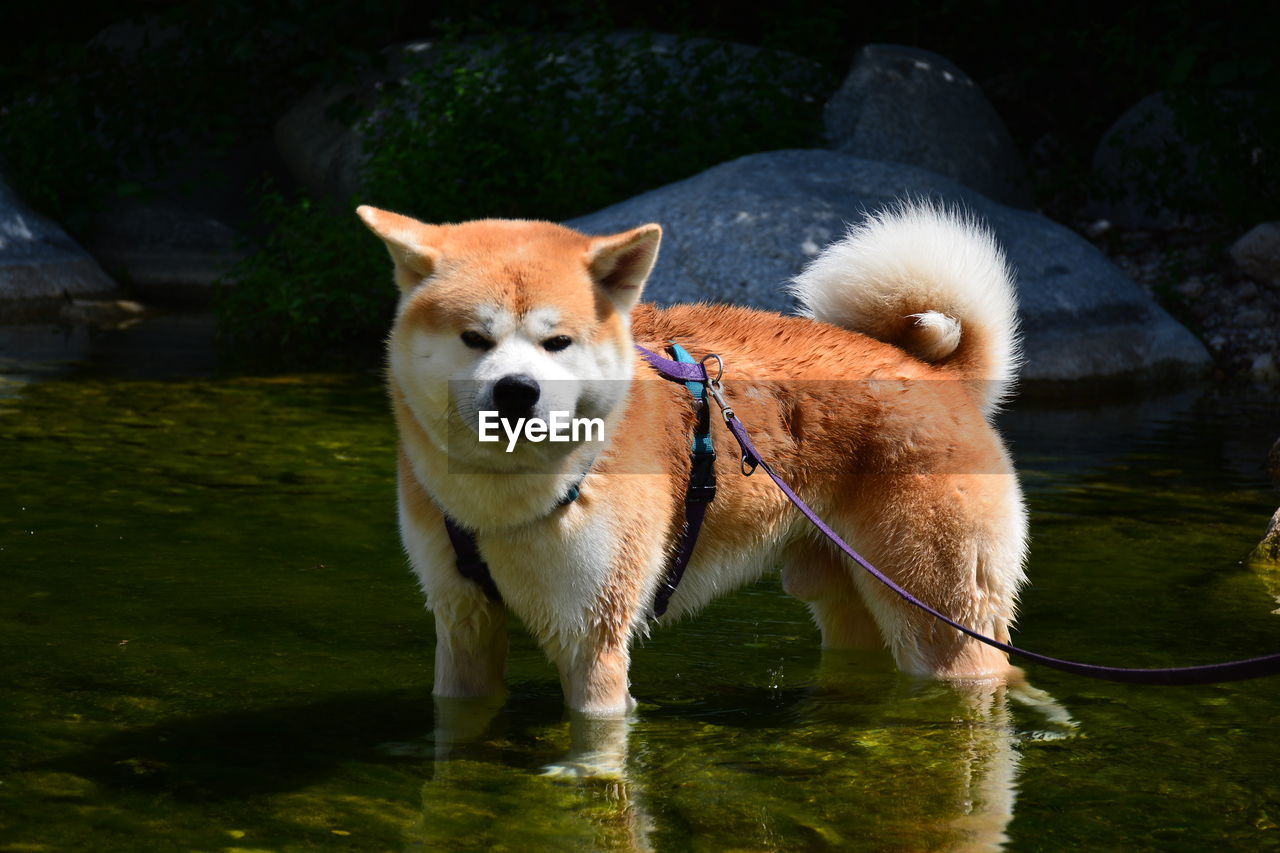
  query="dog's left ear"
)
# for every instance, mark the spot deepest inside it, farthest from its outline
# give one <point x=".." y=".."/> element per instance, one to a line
<point x="620" y="263"/>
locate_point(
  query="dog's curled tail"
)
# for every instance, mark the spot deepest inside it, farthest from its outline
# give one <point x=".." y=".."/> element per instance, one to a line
<point x="928" y="280"/>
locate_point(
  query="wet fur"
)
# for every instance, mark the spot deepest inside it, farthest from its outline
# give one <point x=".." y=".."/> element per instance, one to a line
<point x="888" y="439"/>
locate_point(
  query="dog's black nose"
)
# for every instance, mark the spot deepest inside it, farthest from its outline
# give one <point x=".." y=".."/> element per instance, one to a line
<point x="514" y="396"/>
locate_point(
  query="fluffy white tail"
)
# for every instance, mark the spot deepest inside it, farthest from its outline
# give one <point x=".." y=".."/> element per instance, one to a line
<point x="928" y="280"/>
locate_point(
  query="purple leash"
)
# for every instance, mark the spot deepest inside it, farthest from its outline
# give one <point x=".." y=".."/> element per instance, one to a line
<point x="1237" y="670"/>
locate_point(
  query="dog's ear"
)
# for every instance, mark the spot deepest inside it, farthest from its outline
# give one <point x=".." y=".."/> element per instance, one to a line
<point x="620" y="263"/>
<point x="409" y="242"/>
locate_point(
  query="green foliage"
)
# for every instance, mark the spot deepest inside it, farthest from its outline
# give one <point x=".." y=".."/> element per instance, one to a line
<point x="315" y="282"/>
<point x="51" y="157"/>
<point x="523" y="127"/>
<point x="550" y="128"/>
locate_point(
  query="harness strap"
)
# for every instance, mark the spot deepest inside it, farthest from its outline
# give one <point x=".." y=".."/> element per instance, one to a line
<point x="470" y="564"/>
<point x="466" y="552"/>
<point x="701" y="489"/>
<point x="1237" y="670"/>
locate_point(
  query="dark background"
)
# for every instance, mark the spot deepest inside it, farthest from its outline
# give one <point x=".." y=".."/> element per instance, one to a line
<point x="82" y="126"/>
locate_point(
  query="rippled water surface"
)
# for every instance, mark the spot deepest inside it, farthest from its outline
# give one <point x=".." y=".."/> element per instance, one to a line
<point x="211" y="642"/>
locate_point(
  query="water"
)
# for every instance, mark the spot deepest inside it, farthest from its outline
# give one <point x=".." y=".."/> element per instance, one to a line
<point x="211" y="642"/>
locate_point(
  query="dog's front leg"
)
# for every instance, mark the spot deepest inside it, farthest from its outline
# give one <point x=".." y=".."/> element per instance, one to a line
<point x="471" y="652"/>
<point x="471" y="647"/>
<point x="471" y="636"/>
<point x="593" y="673"/>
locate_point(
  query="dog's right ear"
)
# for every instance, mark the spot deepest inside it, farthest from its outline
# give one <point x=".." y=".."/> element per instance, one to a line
<point x="409" y="242"/>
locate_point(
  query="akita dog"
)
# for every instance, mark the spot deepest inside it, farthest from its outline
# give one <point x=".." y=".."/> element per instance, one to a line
<point x="875" y="405"/>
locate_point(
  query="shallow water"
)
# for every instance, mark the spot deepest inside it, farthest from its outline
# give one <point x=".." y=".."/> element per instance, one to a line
<point x="211" y="642"/>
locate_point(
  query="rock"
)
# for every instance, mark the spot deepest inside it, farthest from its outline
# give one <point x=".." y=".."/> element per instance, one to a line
<point x="737" y="232"/>
<point x="215" y="168"/>
<point x="101" y="313"/>
<point x="915" y="107"/>
<point x="166" y="252"/>
<point x="1132" y="163"/>
<point x="1268" y="551"/>
<point x="40" y="266"/>
<point x="1257" y="253"/>
<point x="322" y="152"/>
<point x="131" y="40"/>
<point x="322" y="139"/>
<point x="1148" y="174"/>
<point x="1250" y="317"/>
<point x="1192" y="287"/>
<point x="1264" y="366"/>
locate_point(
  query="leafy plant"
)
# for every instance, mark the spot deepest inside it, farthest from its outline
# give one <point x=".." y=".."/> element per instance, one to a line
<point x="314" y="282"/>
<point x="552" y="127"/>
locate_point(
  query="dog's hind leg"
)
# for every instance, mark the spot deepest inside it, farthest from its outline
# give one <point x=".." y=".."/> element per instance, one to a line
<point x="956" y="542"/>
<point x="815" y="574"/>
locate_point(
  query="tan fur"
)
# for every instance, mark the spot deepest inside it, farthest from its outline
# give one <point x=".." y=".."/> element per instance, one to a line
<point x="893" y="451"/>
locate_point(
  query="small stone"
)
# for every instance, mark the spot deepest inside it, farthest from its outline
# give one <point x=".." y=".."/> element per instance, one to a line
<point x="1257" y="253"/>
<point x="1250" y="317"/>
<point x="1246" y="290"/>
<point x="1098" y="228"/>
<point x="1192" y="287"/>
<point x="1264" y="365"/>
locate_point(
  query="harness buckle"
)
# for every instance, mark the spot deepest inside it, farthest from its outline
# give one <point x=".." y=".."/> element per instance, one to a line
<point x="702" y="479"/>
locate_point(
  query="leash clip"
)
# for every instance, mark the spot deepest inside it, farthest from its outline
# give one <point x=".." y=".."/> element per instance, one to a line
<point x="716" y="387"/>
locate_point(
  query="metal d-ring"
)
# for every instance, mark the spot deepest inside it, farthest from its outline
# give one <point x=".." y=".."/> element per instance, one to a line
<point x="716" y="387"/>
<point x="719" y="366"/>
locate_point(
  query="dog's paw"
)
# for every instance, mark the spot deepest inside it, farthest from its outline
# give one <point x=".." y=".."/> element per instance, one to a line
<point x="595" y="765"/>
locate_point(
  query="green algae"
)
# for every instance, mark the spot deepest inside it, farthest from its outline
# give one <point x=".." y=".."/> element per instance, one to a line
<point x="211" y="642"/>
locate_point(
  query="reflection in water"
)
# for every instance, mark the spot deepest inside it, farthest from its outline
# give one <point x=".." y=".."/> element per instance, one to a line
<point x="919" y="765"/>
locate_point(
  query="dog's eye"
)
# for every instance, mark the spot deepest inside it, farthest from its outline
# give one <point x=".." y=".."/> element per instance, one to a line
<point x="475" y="340"/>
<point x="557" y="343"/>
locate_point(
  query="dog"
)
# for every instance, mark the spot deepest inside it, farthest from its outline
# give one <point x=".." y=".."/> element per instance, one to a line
<point x="875" y="403"/>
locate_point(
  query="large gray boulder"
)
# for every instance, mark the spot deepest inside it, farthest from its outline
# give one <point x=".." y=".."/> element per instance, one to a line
<point x="167" y="252"/>
<point x="40" y="266"/>
<point x="737" y="232"/>
<point x="915" y="107"/>
<point x="324" y="140"/>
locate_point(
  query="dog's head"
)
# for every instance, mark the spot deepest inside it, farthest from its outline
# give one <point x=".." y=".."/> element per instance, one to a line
<point x="525" y="319"/>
